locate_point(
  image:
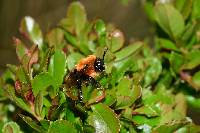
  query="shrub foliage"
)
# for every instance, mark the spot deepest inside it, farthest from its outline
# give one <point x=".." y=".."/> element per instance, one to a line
<point x="143" y="89"/>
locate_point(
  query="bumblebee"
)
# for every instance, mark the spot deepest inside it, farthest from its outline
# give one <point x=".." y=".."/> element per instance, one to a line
<point x="84" y="72"/>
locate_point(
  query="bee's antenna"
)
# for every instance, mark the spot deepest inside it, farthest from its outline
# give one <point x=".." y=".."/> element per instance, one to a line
<point x="104" y="53"/>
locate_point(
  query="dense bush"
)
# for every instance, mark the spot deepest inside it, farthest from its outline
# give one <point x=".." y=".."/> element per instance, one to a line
<point x="143" y="89"/>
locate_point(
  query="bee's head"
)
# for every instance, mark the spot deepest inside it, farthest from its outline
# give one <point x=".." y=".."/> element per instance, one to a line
<point x="99" y="63"/>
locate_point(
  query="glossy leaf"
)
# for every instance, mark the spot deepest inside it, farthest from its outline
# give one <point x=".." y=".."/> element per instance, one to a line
<point x="61" y="126"/>
<point x="103" y="119"/>
<point x="169" y="19"/>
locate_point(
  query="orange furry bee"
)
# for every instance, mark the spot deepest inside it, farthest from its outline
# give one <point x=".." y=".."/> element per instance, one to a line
<point x="85" y="72"/>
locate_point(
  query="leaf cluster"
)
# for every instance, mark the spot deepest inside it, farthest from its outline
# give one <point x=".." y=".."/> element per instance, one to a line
<point x="143" y="89"/>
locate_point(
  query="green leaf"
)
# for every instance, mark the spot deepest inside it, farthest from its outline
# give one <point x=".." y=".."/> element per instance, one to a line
<point x="185" y="7"/>
<point x="21" y="75"/>
<point x="100" y="27"/>
<point x="32" y="30"/>
<point x="21" y="50"/>
<point x="193" y="102"/>
<point x="38" y="104"/>
<point x="76" y="16"/>
<point x="127" y="93"/>
<point x="116" y="40"/>
<point x="149" y="10"/>
<point x="71" y="39"/>
<point x="41" y="82"/>
<point x="189" y="32"/>
<point x="171" y="127"/>
<point x="141" y="120"/>
<point x="11" y="127"/>
<point x="19" y="101"/>
<point x="56" y="38"/>
<point x="103" y="119"/>
<point x="167" y="44"/>
<point x="57" y="68"/>
<point x="127" y="51"/>
<point x="181" y="105"/>
<point x="73" y="59"/>
<point x="153" y="71"/>
<point x="192" y="60"/>
<point x="169" y="19"/>
<point x="149" y="111"/>
<point x="196" y="79"/>
<point x="61" y="126"/>
<point x="32" y="123"/>
<point x="176" y="61"/>
<point x="196" y="9"/>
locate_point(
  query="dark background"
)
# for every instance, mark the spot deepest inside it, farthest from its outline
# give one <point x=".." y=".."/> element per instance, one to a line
<point x="129" y="18"/>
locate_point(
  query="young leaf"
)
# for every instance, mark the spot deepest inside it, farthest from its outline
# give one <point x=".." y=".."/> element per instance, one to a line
<point x="61" y="126"/>
<point x="103" y="119"/>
